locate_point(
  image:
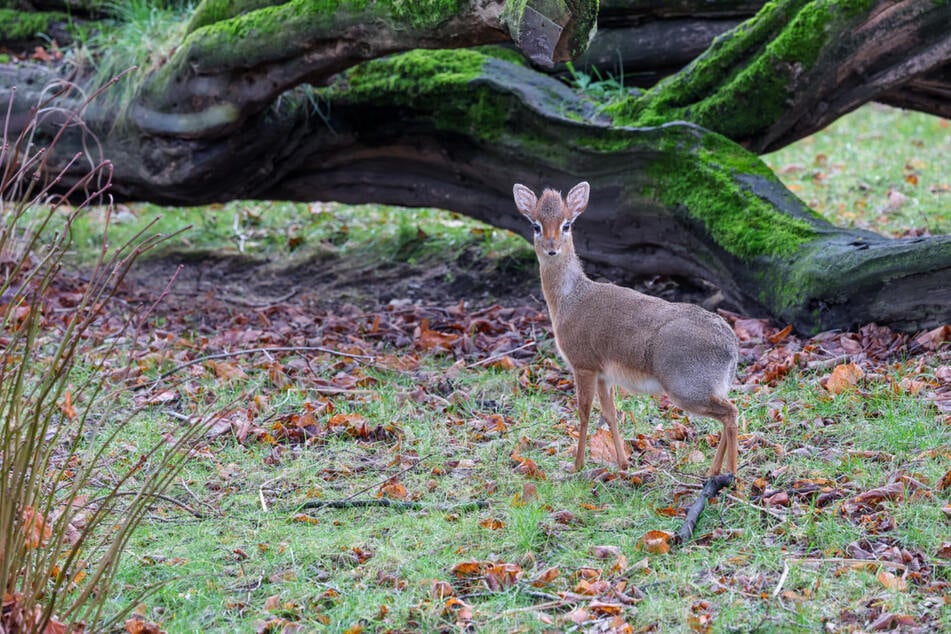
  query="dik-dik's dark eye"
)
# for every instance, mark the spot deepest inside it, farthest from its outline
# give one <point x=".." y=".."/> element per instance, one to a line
<point x="565" y="228"/>
<point x="537" y="227"/>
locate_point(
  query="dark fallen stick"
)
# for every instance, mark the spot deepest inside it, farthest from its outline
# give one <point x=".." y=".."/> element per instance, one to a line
<point x="396" y="504"/>
<point x="710" y="488"/>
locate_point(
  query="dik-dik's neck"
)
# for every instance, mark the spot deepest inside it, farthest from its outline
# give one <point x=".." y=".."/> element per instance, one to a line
<point x="561" y="275"/>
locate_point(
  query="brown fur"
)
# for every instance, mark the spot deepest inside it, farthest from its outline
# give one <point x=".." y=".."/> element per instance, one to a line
<point x="611" y="335"/>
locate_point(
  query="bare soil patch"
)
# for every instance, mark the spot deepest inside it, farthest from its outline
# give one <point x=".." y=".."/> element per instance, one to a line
<point x="329" y="280"/>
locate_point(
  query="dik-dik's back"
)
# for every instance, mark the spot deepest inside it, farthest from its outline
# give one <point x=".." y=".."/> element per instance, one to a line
<point x="616" y="336"/>
<point x="645" y="343"/>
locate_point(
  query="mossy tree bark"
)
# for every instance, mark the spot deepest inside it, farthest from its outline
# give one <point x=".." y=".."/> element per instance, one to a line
<point x="229" y="115"/>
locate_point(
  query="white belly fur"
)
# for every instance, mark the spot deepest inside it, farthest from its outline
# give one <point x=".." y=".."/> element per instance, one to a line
<point x="631" y="380"/>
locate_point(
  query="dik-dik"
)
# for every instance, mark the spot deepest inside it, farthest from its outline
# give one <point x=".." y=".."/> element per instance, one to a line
<point x="611" y="335"/>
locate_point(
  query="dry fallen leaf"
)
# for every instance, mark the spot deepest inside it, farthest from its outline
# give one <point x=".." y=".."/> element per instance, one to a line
<point x="137" y="625"/>
<point x="780" y="336"/>
<point x="843" y="377"/>
<point x="432" y="340"/>
<point x="226" y="370"/>
<point x="620" y="564"/>
<point x="894" y="492"/>
<point x="545" y="577"/>
<point x="468" y="568"/>
<point x="604" y="609"/>
<point x="502" y="575"/>
<point x="592" y="588"/>
<point x="305" y="518"/>
<point x="504" y="363"/>
<point x="945" y="481"/>
<point x="392" y="490"/>
<point x="601" y="448"/>
<point x="441" y="589"/>
<point x="67" y="406"/>
<point x="578" y="616"/>
<point x="656" y="542"/>
<point x="361" y="554"/>
<point x="529" y="492"/>
<point x="896" y="200"/>
<point x="888" y="621"/>
<point x="527" y="466"/>
<point x="911" y="386"/>
<point x="931" y="339"/>
<point x="36" y="528"/>
<point x="892" y="581"/>
<point x="777" y="499"/>
<point x="493" y="524"/>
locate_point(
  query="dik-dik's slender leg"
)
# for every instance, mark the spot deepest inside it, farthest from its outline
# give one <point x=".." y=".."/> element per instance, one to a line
<point x="724" y="411"/>
<point x="606" y="398"/>
<point x="585" y="388"/>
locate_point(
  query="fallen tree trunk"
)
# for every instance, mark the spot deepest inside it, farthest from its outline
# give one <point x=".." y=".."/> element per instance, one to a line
<point x="675" y="199"/>
<point x="455" y="129"/>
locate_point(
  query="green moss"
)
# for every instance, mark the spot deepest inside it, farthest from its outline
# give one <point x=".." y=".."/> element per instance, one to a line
<point x="727" y="154"/>
<point x="607" y="143"/>
<point x="707" y="191"/>
<point x="227" y="20"/>
<point x="276" y="32"/>
<point x="401" y="79"/>
<point x="21" y="25"/>
<point x="435" y="77"/>
<point x="270" y="32"/>
<point x="211" y="11"/>
<point x="424" y="14"/>
<point x="723" y="91"/>
<point x="505" y="53"/>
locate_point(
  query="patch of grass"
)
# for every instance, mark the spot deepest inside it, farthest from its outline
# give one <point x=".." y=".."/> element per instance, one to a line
<point x="377" y="567"/>
<point x="879" y="168"/>
<point x="271" y="230"/>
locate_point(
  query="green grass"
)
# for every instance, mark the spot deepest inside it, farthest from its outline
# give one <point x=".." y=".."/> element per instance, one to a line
<point x="137" y="33"/>
<point x="266" y="229"/>
<point x="220" y="571"/>
<point x="881" y="168"/>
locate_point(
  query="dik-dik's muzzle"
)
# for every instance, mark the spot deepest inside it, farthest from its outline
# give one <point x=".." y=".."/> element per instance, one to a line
<point x="550" y="246"/>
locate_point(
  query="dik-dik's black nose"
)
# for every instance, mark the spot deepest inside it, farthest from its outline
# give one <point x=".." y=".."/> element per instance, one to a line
<point x="552" y="252"/>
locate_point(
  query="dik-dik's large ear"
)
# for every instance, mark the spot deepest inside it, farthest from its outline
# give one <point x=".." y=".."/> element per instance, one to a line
<point x="525" y="199"/>
<point x="577" y="198"/>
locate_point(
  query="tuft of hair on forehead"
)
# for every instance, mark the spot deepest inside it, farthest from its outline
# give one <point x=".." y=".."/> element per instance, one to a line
<point x="551" y="204"/>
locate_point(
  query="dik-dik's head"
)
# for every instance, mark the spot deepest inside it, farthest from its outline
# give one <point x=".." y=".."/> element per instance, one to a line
<point x="551" y="216"/>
